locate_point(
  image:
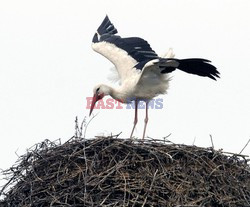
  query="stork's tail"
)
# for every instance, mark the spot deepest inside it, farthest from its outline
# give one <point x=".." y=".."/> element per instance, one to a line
<point x="198" y="66"/>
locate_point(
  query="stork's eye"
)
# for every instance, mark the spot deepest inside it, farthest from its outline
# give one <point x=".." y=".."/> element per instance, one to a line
<point x="97" y="89"/>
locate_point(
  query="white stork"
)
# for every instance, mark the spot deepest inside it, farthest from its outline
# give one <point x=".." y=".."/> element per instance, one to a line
<point x="143" y="74"/>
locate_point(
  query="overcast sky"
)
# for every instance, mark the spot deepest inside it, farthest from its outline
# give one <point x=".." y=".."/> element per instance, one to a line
<point x="48" y="69"/>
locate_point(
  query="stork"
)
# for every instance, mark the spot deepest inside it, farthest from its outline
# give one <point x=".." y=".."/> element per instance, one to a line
<point x="143" y="74"/>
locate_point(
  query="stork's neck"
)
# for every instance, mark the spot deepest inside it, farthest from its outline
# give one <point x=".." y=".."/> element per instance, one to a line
<point x="117" y="93"/>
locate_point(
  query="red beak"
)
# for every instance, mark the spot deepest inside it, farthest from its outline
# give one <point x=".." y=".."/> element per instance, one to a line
<point x="94" y="100"/>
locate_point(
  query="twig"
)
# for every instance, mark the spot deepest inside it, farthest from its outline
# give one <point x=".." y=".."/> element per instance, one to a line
<point x="150" y="188"/>
<point x="83" y="123"/>
<point x="245" y="146"/>
<point x="211" y="138"/>
<point x="235" y="154"/>
<point x="166" y="138"/>
<point x="194" y="140"/>
<point x="86" y="126"/>
<point x="76" y="127"/>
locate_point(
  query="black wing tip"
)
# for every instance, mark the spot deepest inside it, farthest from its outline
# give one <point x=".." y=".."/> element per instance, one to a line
<point x="199" y="66"/>
<point x="105" y="30"/>
<point x="106" y="27"/>
<point x="106" y="17"/>
<point x="212" y="71"/>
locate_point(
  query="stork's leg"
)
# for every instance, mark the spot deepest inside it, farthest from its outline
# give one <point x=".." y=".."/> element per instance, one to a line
<point x="145" y="120"/>
<point x="135" y="120"/>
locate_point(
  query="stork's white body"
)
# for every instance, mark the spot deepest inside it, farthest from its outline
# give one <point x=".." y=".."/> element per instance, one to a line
<point x="135" y="84"/>
<point x="143" y="74"/>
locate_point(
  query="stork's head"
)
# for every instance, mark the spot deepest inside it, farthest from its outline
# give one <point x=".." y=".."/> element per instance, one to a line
<point x="99" y="91"/>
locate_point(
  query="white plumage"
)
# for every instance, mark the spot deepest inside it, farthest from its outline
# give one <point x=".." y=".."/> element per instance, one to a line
<point x="142" y="73"/>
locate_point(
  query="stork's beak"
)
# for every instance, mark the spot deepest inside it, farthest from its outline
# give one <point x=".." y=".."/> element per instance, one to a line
<point x="94" y="100"/>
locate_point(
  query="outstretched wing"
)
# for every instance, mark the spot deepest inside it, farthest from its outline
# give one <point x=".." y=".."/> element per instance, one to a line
<point x="196" y="66"/>
<point x="126" y="54"/>
<point x="152" y="70"/>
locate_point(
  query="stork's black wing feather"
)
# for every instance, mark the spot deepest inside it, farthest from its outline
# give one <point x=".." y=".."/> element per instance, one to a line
<point x="106" y="27"/>
<point x="136" y="47"/>
<point x="127" y="53"/>
<point x="197" y="66"/>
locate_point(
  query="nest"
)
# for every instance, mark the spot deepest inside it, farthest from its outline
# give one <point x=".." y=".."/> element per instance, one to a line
<point x="110" y="171"/>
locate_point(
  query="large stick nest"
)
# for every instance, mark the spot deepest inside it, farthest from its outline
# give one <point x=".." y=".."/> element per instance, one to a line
<point x="109" y="171"/>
